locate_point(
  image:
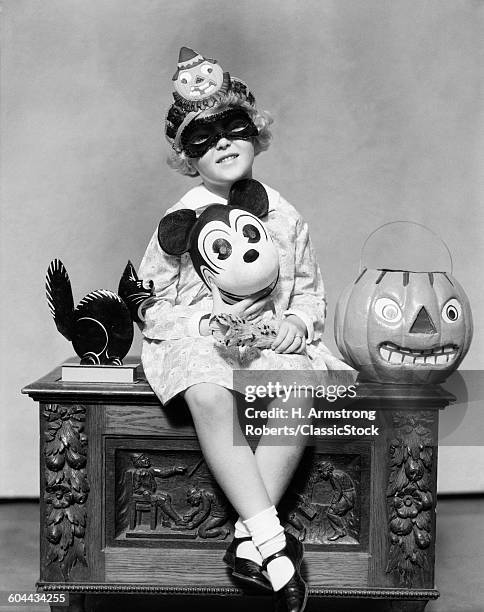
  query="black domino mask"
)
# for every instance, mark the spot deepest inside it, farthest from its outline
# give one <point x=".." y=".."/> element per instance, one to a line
<point x="203" y="133"/>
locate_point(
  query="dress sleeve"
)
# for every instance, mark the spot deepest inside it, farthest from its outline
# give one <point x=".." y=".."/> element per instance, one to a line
<point x="307" y="300"/>
<point x="164" y="319"/>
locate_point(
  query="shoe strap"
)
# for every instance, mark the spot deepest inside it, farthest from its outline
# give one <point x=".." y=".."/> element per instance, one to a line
<point x="244" y="539"/>
<point x="237" y="541"/>
<point x="276" y="555"/>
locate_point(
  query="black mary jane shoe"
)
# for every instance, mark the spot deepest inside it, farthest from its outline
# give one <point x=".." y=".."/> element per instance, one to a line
<point x="293" y="595"/>
<point x="245" y="569"/>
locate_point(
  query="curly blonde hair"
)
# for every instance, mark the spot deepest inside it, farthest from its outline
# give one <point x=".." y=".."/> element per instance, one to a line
<point x="261" y="119"/>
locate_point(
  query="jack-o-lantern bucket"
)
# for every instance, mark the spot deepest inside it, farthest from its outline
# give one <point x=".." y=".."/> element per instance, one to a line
<point x="403" y="326"/>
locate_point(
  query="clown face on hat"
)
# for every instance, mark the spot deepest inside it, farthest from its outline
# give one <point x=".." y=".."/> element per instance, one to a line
<point x="197" y="77"/>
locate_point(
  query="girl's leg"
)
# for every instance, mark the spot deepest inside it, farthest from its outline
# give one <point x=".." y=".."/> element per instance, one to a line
<point x="277" y="464"/>
<point x="234" y="467"/>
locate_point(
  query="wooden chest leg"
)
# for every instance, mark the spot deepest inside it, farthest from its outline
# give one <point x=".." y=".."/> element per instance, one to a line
<point x="76" y="604"/>
<point x="407" y="606"/>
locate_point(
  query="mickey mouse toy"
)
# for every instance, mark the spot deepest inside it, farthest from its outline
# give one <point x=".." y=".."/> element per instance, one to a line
<point x="230" y="247"/>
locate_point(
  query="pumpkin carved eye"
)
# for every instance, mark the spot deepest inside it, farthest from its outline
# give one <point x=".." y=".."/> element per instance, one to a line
<point x="451" y="311"/>
<point x="388" y="310"/>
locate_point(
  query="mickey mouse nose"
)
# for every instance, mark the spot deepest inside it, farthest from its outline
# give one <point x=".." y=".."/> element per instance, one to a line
<point x="251" y="256"/>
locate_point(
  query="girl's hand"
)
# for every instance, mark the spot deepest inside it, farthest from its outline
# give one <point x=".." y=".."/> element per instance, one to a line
<point x="249" y="309"/>
<point x="291" y="337"/>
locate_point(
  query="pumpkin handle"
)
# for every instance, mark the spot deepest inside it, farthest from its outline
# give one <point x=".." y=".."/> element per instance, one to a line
<point x="410" y="223"/>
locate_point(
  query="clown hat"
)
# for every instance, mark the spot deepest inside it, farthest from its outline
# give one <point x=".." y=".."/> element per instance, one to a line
<point x="188" y="58"/>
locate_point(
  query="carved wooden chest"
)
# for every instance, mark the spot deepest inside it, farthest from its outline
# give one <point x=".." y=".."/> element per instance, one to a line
<point x="128" y="504"/>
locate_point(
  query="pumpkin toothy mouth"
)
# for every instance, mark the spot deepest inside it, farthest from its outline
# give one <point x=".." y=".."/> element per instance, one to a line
<point x="443" y="355"/>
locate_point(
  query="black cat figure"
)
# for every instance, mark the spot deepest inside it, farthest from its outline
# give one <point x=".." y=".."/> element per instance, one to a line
<point x="100" y="327"/>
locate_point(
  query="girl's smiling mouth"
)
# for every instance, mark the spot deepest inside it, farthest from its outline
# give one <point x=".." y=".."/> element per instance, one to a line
<point x="227" y="158"/>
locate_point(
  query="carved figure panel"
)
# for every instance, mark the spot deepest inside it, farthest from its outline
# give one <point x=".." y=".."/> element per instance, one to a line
<point x="324" y="507"/>
<point x="168" y="494"/>
<point x="171" y="495"/>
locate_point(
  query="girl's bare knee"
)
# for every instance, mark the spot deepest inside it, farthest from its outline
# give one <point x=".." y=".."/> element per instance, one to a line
<point x="209" y="400"/>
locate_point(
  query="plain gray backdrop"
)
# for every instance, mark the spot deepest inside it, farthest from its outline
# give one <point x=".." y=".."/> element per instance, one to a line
<point x="378" y="116"/>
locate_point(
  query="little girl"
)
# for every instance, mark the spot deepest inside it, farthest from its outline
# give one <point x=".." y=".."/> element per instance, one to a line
<point x="215" y="131"/>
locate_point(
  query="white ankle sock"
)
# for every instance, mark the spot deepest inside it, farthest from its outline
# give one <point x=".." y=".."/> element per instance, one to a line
<point x="241" y="530"/>
<point x="246" y="550"/>
<point x="280" y="571"/>
<point x="268" y="535"/>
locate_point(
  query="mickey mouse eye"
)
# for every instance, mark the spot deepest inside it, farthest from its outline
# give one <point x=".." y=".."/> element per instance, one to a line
<point x="251" y="232"/>
<point x="185" y="77"/>
<point x="451" y="311"/>
<point x="206" y="69"/>
<point x="388" y="310"/>
<point x="222" y="247"/>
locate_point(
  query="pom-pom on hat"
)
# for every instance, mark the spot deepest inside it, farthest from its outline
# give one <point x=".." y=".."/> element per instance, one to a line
<point x="200" y="83"/>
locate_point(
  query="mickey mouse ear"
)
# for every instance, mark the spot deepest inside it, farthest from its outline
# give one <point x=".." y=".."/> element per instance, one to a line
<point x="174" y="231"/>
<point x="250" y="195"/>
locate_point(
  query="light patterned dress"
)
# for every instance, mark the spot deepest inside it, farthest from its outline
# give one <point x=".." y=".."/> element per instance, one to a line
<point x="175" y="356"/>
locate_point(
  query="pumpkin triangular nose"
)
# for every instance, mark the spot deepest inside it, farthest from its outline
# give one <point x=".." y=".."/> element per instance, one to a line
<point x="423" y="324"/>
